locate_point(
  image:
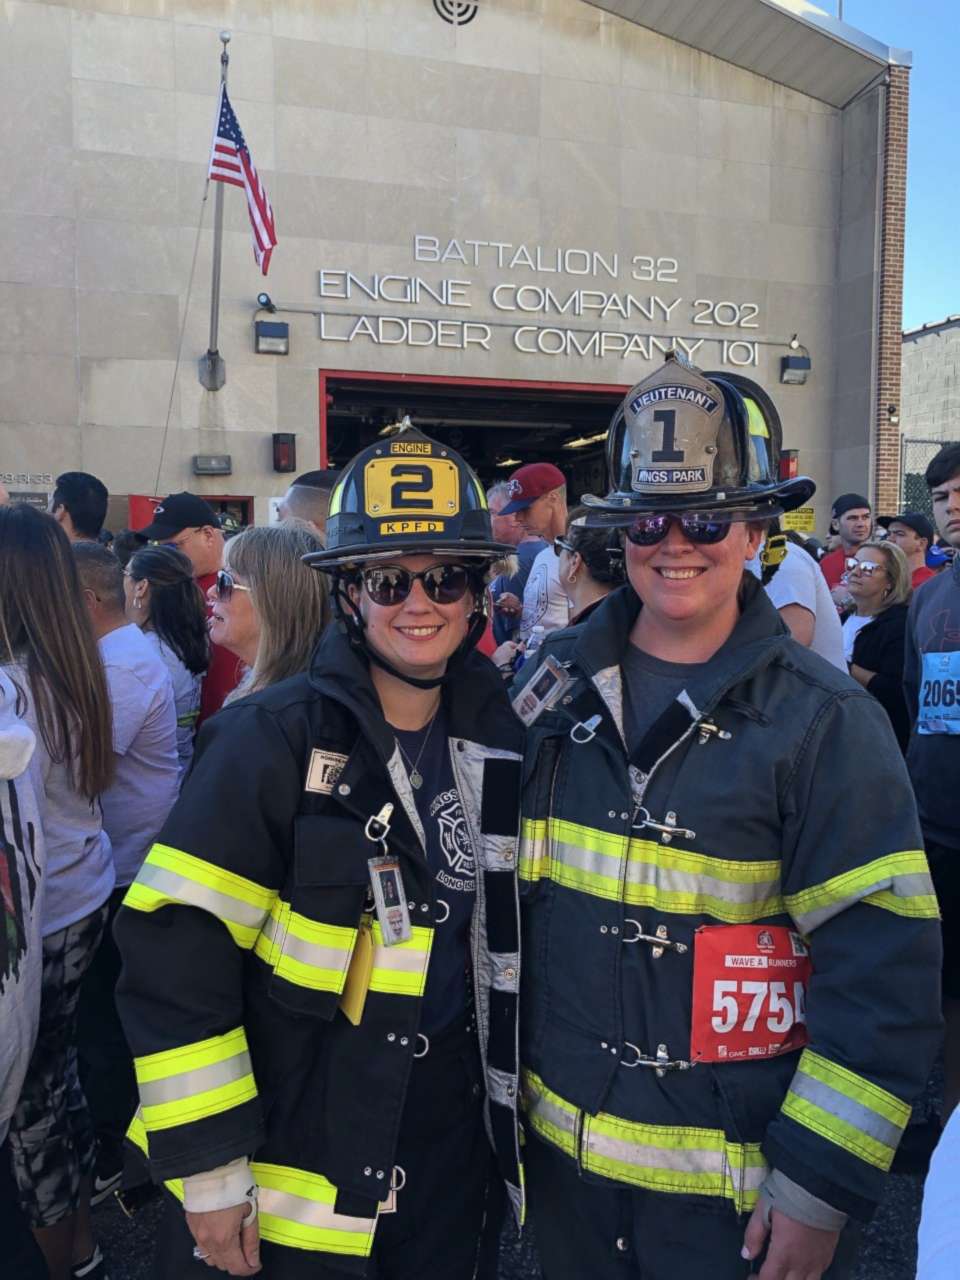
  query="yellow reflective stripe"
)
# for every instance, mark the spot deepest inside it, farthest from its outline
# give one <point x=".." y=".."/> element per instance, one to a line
<point x="846" y="1109"/>
<point x="533" y="847"/>
<point x="193" y="1081"/>
<point x="297" y="1210"/>
<point x="170" y="877"/>
<point x="306" y="952"/>
<point x="400" y="970"/>
<point x="665" y="878"/>
<point x="137" y="1134"/>
<point x="902" y="876"/>
<point x="668" y="1158"/>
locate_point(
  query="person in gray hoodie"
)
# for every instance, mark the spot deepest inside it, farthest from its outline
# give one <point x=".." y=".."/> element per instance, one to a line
<point x="932" y="686"/>
<point x="21" y="874"/>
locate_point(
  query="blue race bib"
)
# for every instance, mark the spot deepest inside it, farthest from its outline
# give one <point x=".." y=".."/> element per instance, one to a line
<point x="939" y="710"/>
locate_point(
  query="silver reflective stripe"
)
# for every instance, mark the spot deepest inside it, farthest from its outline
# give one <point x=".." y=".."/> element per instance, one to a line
<point x="223" y="905"/>
<point x="309" y="1213"/>
<point x="540" y="1108"/>
<point x="667" y="879"/>
<point x="397" y="959"/>
<point x="312" y="954"/>
<point x="401" y="785"/>
<point x="853" y="1113"/>
<point x="676" y="1160"/>
<point x="189" y="1083"/>
<point x="913" y="885"/>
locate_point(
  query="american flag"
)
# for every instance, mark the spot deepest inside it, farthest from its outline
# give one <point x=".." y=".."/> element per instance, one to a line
<point x="230" y="161"/>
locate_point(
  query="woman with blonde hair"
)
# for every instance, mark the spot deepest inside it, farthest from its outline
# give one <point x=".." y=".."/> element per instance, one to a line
<point x="878" y="578"/>
<point x="268" y="607"/>
<point x="48" y="650"/>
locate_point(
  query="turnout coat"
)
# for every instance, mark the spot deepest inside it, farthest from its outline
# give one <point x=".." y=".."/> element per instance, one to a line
<point x="770" y="793"/>
<point x="239" y="931"/>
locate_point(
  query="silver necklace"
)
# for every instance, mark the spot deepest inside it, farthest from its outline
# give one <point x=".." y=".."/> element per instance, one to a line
<point x="413" y="770"/>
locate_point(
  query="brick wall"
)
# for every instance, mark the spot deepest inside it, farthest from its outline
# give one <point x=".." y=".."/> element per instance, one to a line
<point x="890" y="320"/>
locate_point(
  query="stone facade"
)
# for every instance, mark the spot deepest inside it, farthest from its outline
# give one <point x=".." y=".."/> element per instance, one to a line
<point x="543" y="123"/>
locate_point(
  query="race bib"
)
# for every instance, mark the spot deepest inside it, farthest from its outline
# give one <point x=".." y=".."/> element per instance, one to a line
<point x="749" y="992"/>
<point x="939" y="710"/>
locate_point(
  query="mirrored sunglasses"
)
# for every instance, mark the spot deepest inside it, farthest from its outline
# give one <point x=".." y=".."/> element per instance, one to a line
<point x="701" y="527"/>
<point x="866" y="567"/>
<point x="391" y="584"/>
<point x="226" y="585"/>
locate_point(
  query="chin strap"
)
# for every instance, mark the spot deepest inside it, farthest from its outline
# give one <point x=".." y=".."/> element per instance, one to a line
<point x="348" y="612"/>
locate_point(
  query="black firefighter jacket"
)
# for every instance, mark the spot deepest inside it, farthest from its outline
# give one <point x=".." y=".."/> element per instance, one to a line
<point x="770" y="793"/>
<point x="238" y="934"/>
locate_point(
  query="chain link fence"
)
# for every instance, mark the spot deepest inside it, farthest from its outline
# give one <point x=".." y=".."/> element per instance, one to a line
<point x="914" y="457"/>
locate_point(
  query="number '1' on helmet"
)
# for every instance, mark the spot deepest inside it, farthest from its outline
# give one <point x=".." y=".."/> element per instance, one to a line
<point x="685" y="441"/>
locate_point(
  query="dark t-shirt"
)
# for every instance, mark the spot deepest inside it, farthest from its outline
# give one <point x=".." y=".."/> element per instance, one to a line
<point x="451" y="859"/>
<point x="649" y="686"/>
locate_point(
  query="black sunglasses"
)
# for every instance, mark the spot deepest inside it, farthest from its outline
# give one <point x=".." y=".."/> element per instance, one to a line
<point x="226" y="585"/>
<point x="391" y="584"/>
<point x="701" y="527"/>
<point x="561" y="544"/>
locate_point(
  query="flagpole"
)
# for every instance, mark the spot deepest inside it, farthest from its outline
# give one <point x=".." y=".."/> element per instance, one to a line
<point x="213" y="372"/>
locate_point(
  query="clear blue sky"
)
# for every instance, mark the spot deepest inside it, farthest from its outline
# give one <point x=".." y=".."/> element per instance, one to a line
<point x="931" y="29"/>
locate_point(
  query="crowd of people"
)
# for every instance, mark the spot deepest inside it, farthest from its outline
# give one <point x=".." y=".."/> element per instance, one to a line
<point x="275" y="807"/>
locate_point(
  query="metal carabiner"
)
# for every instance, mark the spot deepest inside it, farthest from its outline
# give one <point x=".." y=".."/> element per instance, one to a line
<point x="667" y="829"/>
<point x="589" y="728"/>
<point x="446" y="906"/>
<point x="658" y="941"/>
<point x="377" y="827"/>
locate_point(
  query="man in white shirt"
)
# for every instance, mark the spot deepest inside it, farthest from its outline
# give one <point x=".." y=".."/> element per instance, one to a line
<point x="539" y="501"/>
<point x="799" y="591"/>
<point x="135" y="807"/>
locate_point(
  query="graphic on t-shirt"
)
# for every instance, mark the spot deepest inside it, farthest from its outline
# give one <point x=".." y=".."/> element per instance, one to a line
<point x="535" y="597"/>
<point x="454" y="841"/>
<point x="19" y="880"/>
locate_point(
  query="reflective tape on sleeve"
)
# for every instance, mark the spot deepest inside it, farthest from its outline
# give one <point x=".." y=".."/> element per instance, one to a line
<point x="304" y="951"/>
<point x="170" y="877"/>
<point x="897" y="882"/>
<point x="191" y="1082"/>
<point x="401" y="970"/>
<point x="846" y="1109"/>
<point x="533" y="848"/>
<point x="668" y="1158"/>
<point x="297" y="1210"/>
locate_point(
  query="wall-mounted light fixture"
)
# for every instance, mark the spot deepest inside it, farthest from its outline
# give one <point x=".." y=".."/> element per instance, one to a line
<point x="794" y="368"/>
<point x="284" y="451"/>
<point x="893" y="415"/>
<point x="212" y="464"/>
<point x="270" y="337"/>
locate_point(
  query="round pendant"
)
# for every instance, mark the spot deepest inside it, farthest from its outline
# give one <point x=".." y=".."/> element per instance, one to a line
<point x="416" y="780"/>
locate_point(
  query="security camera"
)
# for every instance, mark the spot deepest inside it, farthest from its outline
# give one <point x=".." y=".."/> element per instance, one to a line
<point x="265" y="302"/>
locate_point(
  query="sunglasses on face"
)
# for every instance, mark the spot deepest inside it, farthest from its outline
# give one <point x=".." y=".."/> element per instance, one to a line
<point x="868" y="567"/>
<point x="700" y="527"/>
<point x="226" y="585"/>
<point x="391" y="584"/>
<point x="561" y="544"/>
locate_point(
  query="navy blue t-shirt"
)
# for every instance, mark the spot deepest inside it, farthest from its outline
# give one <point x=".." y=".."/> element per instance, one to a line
<point x="451" y="859"/>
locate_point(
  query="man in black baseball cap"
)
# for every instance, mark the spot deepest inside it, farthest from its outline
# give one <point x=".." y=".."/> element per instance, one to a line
<point x="187" y="522"/>
<point x="912" y="531"/>
<point x="852" y="519"/>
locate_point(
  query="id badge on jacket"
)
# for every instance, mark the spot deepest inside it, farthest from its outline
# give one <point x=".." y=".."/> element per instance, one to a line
<point x="749" y="992"/>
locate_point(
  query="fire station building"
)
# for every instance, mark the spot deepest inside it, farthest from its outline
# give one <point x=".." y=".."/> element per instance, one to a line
<point x="493" y="217"/>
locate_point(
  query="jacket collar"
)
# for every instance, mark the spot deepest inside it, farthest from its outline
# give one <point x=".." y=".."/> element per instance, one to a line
<point x="758" y="637"/>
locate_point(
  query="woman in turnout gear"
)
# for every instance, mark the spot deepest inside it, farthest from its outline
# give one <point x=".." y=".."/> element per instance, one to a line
<point x="321" y="952"/>
<point x="731" y="941"/>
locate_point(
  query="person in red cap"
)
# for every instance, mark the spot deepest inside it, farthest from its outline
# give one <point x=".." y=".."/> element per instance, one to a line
<point x="539" y="499"/>
<point x="187" y="522"/>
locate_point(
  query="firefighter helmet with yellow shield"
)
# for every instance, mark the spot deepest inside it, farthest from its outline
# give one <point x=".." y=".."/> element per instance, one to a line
<point x="683" y="441"/>
<point x="407" y="495"/>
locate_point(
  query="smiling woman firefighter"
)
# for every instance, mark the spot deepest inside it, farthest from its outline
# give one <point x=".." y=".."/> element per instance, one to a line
<point x="730" y="988"/>
<point x="321" y="951"/>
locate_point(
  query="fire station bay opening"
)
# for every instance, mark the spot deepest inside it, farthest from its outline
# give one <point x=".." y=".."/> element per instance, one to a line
<point x="496" y="426"/>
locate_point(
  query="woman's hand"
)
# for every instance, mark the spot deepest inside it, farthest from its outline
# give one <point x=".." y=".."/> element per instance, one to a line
<point x="861" y="674"/>
<point x="504" y="654"/>
<point x="229" y="1239"/>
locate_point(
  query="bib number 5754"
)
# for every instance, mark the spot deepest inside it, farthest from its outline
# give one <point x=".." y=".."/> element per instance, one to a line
<point x="780" y="1004"/>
